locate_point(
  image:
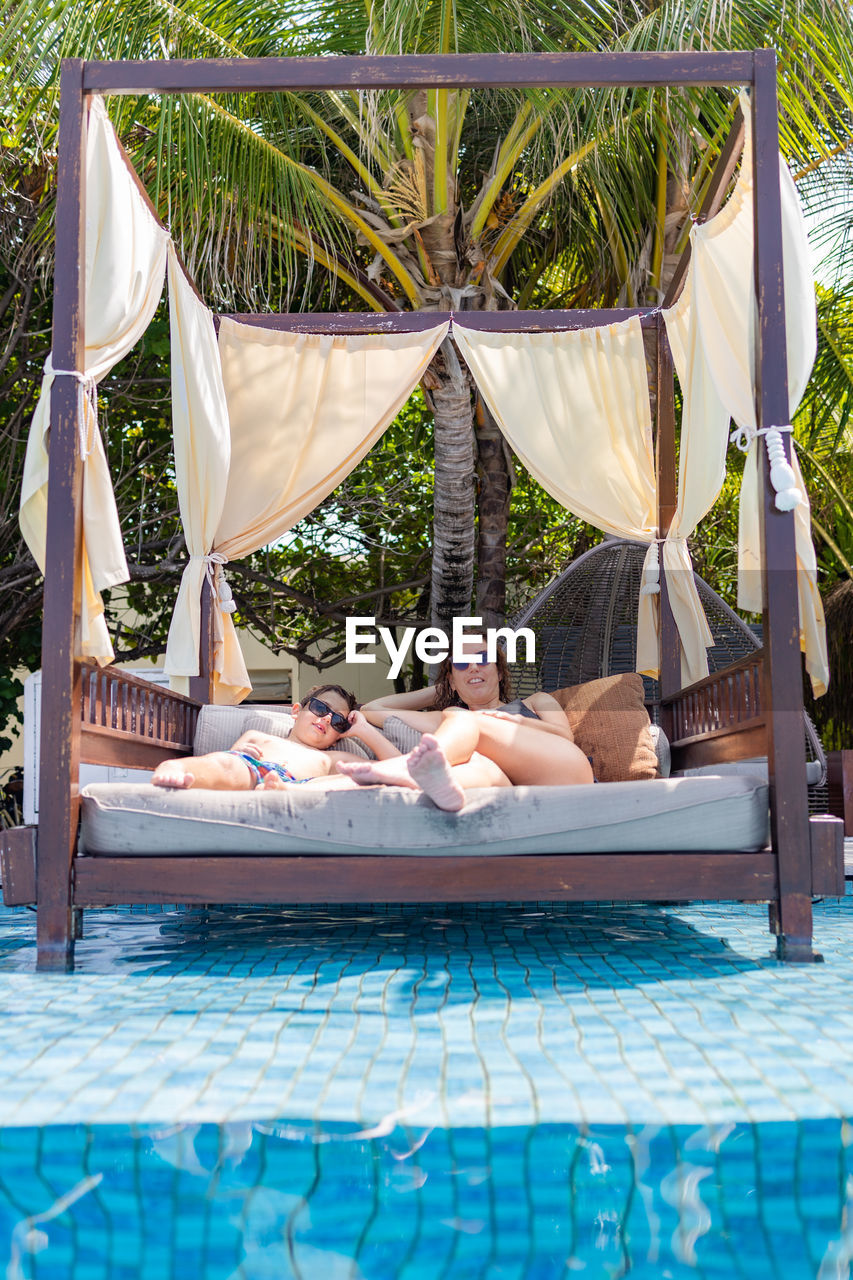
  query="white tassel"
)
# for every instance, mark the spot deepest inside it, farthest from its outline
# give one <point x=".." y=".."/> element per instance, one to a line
<point x="782" y="476"/>
<point x="223" y="592"/>
<point x="216" y="576"/>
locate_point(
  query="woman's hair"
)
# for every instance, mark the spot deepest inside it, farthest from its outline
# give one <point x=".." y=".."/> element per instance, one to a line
<point x="446" y="695"/>
<point x="319" y="689"/>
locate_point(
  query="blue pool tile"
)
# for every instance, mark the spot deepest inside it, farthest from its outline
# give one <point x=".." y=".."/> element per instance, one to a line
<point x="568" y="1013"/>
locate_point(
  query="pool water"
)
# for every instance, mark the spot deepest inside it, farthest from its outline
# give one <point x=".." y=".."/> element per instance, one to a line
<point x="290" y="1199"/>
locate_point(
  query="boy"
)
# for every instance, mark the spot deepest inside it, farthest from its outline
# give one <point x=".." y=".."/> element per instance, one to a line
<point x="264" y="761"/>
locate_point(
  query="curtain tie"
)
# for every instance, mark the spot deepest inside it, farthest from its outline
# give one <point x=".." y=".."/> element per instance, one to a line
<point x="87" y="390"/>
<point x="782" y="475"/>
<point x="651" y="568"/>
<point x="742" y="438"/>
<point x="215" y="574"/>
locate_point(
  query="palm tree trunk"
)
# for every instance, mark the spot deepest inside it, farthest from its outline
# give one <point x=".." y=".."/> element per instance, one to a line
<point x="453" y="504"/>
<point x="495" y="484"/>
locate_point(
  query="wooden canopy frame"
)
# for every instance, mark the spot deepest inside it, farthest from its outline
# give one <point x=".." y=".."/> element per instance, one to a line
<point x="752" y="708"/>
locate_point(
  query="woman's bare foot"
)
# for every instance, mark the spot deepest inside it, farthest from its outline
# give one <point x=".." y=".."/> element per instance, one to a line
<point x="426" y="769"/>
<point x="173" y="774"/>
<point x="431" y="770"/>
<point x="370" y="773"/>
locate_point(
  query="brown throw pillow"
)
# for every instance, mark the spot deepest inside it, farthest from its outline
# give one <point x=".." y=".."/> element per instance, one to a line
<point x="612" y="726"/>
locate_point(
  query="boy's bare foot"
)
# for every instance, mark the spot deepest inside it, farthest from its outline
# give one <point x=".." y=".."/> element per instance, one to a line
<point x="430" y="769"/>
<point x="272" y="782"/>
<point x="369" y="773"/>
<point x="172" y="773"/>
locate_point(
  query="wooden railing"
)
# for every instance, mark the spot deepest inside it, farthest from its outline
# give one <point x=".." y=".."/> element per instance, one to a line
<point x="132" y="722"/>
<point x="721" y="717"/>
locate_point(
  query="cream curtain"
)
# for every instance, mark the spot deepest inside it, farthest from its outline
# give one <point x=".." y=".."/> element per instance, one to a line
<point x="701" y="470"/>
<point x="125" y="265"/>
<point x="303" y="410"/>
<point x="574" y="407"/>
<point x="202" y="443"/>
<point x="712" y="333"/>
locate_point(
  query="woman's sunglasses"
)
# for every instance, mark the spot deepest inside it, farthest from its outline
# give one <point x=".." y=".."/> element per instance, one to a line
<point x="319" y="708"/>
<point x="474" y="661"/>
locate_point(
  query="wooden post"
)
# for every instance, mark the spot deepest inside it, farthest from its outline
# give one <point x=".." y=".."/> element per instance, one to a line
<point x="670" y="645"/>
<point x="59" y="768"/>
<point x="789" y="819"/>
<point x="201" y="686"/>
<point x="839" y="778"/>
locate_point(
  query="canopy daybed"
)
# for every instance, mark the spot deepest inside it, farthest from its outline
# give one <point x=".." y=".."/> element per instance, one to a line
<point x="95" y="713"/>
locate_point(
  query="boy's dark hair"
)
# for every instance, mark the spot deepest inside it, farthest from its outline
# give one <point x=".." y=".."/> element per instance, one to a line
<point x="319" y="689"/>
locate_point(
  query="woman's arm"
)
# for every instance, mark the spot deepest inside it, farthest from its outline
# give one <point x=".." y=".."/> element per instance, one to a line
<point x="370" y="736"/>
<point x="552" y="717"/>
<point x="378" y="710"/>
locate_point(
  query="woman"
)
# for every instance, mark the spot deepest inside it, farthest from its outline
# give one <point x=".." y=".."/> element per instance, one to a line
<point x="469" y="714"/>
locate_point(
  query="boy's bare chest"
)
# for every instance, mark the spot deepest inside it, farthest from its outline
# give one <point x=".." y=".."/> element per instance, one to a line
<point x="302" y="761"/>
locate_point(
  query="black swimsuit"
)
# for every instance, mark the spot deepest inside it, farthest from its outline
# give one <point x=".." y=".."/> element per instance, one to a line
<point x="519" y="708"/>
<point x="515" y="708"/>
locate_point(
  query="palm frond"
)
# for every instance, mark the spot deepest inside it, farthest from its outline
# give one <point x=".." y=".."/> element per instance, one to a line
<point x="824" y="420"/>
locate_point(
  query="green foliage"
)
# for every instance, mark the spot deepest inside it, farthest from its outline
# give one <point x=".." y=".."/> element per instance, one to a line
<point x="24" y="328"/>
<point x="824" y="417"/>
<point x="713" y="547"/>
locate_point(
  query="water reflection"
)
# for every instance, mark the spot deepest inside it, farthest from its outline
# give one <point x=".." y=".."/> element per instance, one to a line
<point x="274" y="1201"/>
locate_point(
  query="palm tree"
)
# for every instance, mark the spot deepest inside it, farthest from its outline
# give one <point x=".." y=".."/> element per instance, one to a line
<point x="441" y="198"/>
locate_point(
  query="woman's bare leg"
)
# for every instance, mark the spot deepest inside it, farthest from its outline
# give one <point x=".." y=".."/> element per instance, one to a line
<point x="526" y="755"/>
<point x="427" y="769"/>
<point x="335" y="782"/>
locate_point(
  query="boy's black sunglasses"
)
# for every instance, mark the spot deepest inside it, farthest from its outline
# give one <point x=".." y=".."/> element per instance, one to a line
<point x="339" y="723"/>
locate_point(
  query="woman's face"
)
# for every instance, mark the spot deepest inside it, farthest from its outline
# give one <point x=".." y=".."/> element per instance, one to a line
<point x="476" y="681"/>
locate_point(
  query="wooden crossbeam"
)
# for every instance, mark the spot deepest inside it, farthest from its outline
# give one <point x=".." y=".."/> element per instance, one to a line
<point x="412" y="71"/>
<point x="344" y="322"/>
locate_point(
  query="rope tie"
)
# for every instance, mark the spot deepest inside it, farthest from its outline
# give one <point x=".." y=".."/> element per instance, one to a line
<point x="87" y="391"/>
<point x="215" y="574"/>
<point x="782" y="475"/>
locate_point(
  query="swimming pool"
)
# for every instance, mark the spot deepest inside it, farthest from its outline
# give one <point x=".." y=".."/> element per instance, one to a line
<point x="526" y="1091"/>
<point x="292" y="1199"/>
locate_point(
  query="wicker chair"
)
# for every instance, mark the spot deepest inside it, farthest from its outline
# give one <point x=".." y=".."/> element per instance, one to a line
<point x="585" y="623"/>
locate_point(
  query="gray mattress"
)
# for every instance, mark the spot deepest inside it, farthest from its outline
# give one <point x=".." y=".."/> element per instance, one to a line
<point x="692" y="813"/>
